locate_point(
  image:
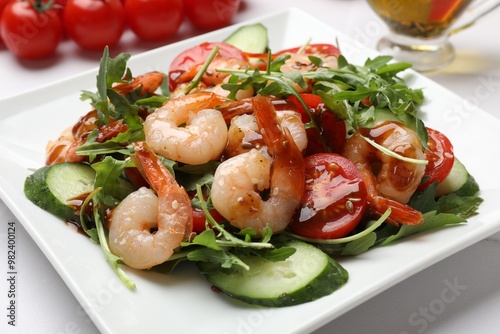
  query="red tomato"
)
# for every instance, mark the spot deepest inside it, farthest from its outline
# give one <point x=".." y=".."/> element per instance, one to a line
<point x="325" y="49"/>
<point x="3" y="4"/>
<point x="59" y="6"/>
<point x="209" y="14"/>
<point x="93" y="24"/>
<point x="154" y="20"/>
<point x="29" y="30"/>
<point x="334" y="199"/>
<point x="199" y="219"/>
<point x="333" y="131"/>
<point x="440" y="156"/>
<point x="195" y="56"/>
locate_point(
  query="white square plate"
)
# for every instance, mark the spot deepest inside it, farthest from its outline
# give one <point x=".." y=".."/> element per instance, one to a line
<point x="183" y="301"/>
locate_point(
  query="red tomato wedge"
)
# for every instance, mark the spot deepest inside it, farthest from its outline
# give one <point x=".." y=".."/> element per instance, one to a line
<point x="440" y="156"/>
<point x="196" y="55"/>
<point x="334" y="200"/>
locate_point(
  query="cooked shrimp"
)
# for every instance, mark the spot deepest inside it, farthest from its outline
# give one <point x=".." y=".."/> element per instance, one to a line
<point x="168" y="212"/>
<point x="293" y="122"/>
<point x="64" y="148"/>
<point x="188" y="129"/>
<point x="390" y="181"/>
<point x="148" y="82"/>
<point x="243" y="133"/>
<point x="278" y="168"/>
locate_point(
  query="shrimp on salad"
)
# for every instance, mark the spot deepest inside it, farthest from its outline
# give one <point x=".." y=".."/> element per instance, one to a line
<point x="168" y="212"/>
<point x="390" y="182"/>
<point x="188" y="129"/>
<point x="243" y="133"/>
<point x="240" y="183"/>
<point x="64" y="148"/>
<point x="148" y="82"/>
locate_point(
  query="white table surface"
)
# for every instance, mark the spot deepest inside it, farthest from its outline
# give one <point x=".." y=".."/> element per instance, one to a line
<point x="46" y="305"/>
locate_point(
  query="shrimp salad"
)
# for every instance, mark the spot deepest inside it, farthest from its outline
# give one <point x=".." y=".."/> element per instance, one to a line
<point x="233" y="156"/>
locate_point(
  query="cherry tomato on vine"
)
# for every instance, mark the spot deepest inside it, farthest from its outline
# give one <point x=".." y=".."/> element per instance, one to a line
<point x="440" y="156"/>
<point x="334" y="200"/>
<point x="332" y="130"/>
<point x="210" y="14"/>
<point x="154" y="20"/>
<point x="93" y="24"/>
<point x="59" y="6"/>
<point x="196" y="55"/>
<point x="3" y="4"/>
<point x="30" y="29"/>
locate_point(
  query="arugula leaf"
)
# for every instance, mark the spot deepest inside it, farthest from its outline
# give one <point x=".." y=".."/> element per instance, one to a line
<point x="111" y="258"/>
<point x="206" y="238"/>
<point x="360" y="245"/>
<point x="110" y="71"/>
<point x="223" y="259"/>
<point x="279" y="254"/>
<point x="108" y="177"/>
<point x="432" y="220"/>
<point x="462" y="206"/>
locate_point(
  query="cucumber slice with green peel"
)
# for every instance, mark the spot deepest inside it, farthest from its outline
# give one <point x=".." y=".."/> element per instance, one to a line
<point x="251" y="38"/>
<point x="305" y="276"/>
<point x="52" y="187"/>
<point x="455" y="180"/>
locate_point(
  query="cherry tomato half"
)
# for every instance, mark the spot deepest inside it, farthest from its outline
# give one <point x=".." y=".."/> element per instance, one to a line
<point x="334" y="200"/>
<point x="332" y="130"/>
<point x="209" y="14"/>
<point x="440" y="156"/>
<point x="154" y="20"/>
<point x="196" y="55"/>
<point x="29" y="30"/>
<point x="94" y="24"/>
<point x="311" y="49"/>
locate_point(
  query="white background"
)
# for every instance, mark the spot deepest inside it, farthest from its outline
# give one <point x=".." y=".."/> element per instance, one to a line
<point x="45" y="305"/>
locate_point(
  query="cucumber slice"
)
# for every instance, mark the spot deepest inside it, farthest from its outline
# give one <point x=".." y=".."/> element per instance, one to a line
<point x="306" y="275"/>
<point x="455" y="180"/>
<point x="251" y="38"/>
<point x="51" y="187"/>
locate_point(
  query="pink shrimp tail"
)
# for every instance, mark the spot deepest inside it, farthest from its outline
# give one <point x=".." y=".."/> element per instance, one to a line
<point x="271" y="132"/>
<point x="163" y="182"/>
<point x="378" y="205"/>
<point x="149" y="82"/>
<point x="289" y="161"/>
<point x="400" y="213"/>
